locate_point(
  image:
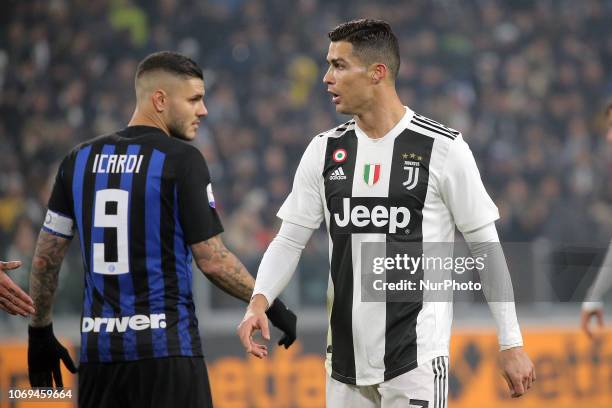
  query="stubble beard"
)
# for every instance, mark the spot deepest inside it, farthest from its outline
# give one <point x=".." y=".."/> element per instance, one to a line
<point x="178" y="130"/>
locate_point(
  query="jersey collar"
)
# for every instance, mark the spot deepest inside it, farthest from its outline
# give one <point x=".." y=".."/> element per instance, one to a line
<point x="393" y="133"/>
<point x="139" y="130"/>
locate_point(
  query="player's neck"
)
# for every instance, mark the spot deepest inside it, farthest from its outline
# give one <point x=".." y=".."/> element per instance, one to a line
<point x="140" y="118"/>
<point x="380" y="117"/>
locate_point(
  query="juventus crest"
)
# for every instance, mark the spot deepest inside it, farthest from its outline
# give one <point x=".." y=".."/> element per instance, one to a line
<point x="412" y="168"/>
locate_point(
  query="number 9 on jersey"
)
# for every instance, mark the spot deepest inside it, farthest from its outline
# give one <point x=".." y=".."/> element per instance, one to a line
<point x="112" y="212"/>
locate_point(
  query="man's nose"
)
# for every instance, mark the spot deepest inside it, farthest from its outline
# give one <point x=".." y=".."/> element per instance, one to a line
<point x="328" y="78"/>
<point x="202" y="111"/>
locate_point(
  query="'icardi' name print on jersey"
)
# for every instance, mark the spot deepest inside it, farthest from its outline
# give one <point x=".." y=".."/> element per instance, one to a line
<point x="117" y="163"/>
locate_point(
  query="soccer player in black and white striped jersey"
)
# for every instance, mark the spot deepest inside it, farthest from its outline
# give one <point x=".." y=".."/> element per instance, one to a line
<point x="405" y="179"/>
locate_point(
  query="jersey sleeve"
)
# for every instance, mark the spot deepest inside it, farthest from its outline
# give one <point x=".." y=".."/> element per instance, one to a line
<point x="304" y="205"/>
<point x="463" y="191"/>
<point x="59" y="219"/>
<point x="197" y="207"/>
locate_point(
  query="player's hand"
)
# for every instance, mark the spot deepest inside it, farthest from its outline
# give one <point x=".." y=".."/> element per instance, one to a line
<point x="44" y="355"/>
<point x="12" y="299"/>
<point x="284" y="319"/>
<point x="585" y="320"/>
<point x="518" y="370"/>
<point x="255" y="320"/>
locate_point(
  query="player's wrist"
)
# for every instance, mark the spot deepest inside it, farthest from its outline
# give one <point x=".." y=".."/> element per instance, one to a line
<point x="258" y="304"/>
<point x="511" y="347"/>
<point x="41" y="332"/>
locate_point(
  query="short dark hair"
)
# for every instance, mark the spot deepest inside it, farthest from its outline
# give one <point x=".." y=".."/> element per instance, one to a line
<point x="372" y="40"/>
<point x="170" y="62"/>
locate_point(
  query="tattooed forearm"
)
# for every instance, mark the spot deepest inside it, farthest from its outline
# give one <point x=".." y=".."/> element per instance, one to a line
<point x="48" y="257"/>
<point x="223" y="268"/>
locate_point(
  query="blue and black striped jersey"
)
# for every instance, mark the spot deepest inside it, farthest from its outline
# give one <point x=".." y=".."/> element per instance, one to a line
<point x="137" y="200"/>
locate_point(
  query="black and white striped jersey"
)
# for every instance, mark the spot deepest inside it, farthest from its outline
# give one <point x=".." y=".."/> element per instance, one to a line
<point x="412" y="185"/>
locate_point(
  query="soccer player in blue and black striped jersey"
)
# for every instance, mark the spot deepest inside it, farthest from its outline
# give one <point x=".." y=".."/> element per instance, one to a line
<point x="142" y="204"/>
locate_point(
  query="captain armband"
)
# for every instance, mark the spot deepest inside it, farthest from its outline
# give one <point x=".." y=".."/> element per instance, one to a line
<point x="59" y="224"/>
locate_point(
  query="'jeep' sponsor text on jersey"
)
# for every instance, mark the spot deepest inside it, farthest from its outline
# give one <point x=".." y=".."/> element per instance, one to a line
<point x="370" y="215"/>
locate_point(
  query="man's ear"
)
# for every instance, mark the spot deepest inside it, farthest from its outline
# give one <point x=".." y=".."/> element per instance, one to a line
<point x="379" y="72"/>
<point x="159" y="99"/>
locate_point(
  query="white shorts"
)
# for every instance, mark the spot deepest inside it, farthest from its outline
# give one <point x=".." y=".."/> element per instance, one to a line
<point x="424" y="387"/>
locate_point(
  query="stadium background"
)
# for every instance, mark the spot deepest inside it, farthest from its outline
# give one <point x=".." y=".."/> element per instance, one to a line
<point x="525" y="81"/>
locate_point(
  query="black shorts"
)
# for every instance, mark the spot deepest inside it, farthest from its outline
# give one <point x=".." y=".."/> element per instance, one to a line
<point x="153" y="383"/>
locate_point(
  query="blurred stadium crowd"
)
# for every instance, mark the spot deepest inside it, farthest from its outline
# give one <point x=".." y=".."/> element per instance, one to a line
<point x="524" y="81"/>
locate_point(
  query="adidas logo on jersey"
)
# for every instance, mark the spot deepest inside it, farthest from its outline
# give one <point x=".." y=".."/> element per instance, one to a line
<point x="337" y="174"/>
<point x="121" y="324"/>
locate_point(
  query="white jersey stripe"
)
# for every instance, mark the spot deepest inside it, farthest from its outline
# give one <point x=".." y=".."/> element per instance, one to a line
<point x="369" y="318"/>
